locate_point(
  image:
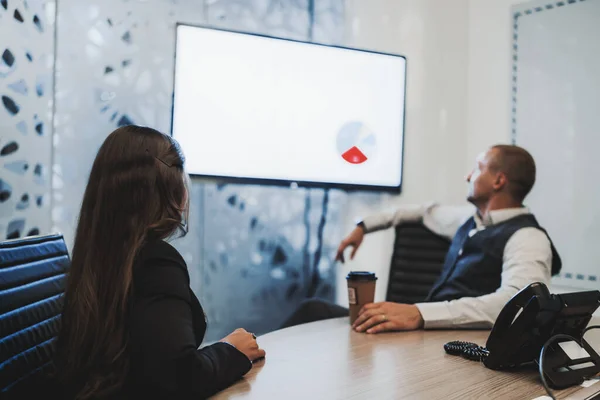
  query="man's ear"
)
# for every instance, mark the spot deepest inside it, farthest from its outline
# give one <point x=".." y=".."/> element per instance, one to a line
<point x="500" y="181"/>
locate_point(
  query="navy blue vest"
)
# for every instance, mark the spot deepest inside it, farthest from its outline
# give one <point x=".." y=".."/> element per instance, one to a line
<point x="473" y="264"/>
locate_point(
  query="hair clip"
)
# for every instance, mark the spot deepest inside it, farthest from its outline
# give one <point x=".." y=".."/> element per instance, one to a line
<point x="167" y="164"/>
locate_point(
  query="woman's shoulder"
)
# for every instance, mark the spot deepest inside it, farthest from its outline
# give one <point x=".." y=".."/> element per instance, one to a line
<point x="159" y="250"/>
<point x="158" y="258"/>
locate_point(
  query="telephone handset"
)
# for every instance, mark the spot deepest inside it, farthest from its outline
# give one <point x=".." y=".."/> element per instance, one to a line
<point x="512" y="340"/>
<point x="527" y="322"/>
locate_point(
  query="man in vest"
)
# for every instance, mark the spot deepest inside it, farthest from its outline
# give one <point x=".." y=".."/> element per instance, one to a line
<point x="496" y="250"/>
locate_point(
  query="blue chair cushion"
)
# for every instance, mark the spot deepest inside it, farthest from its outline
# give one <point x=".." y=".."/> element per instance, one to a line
<point x="32" y="278"/>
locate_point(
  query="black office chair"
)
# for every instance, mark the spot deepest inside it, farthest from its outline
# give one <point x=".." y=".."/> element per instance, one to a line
<point x="32" y="278"/>
<point x="416" y="264"/>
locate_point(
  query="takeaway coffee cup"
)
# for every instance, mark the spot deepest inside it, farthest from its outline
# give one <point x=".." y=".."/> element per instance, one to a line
<point x="361" y="290"/>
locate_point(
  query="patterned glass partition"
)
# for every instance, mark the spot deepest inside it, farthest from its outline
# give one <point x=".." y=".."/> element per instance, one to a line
<point x="253" y="252"/>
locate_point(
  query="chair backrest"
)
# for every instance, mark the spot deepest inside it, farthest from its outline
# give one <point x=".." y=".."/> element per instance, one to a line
<point x="417" y="262"/>
<point x="32" y="278"/>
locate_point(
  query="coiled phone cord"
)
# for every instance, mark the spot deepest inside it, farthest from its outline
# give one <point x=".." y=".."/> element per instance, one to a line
<point x="468" y="350"/>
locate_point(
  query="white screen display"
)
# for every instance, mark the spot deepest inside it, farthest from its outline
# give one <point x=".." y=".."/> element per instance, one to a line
<point x="248" y="106"/>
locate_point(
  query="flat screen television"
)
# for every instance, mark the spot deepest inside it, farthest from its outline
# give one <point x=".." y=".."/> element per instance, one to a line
<point x="255" y="109"/>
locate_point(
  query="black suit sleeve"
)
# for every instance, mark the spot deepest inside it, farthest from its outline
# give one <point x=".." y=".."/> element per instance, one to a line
<point x="163" y="344"/>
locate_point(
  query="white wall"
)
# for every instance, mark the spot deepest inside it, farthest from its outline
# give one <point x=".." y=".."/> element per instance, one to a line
<point x="489" y="70"/>
<point x="433" y="35"/>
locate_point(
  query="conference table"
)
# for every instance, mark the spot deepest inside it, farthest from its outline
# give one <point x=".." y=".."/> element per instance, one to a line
<point x="327" y="360"/>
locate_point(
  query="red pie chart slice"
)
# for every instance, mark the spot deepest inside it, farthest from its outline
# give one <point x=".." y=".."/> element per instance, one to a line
<point x="356" y="144"/>
<point x="354" y="156"/>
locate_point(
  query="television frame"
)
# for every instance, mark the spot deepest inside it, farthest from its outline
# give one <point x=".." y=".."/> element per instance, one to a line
<point x="224" y="179"/>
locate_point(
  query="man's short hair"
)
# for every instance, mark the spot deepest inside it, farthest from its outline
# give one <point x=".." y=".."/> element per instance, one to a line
<point x="518" y="166"/>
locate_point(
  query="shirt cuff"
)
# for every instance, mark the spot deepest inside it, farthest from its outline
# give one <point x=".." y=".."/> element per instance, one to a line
<point x="435" y="315"/>
<point x="373" y="223"/>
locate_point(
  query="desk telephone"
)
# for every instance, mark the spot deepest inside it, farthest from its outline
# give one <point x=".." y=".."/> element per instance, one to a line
<point x="536" y="326"/>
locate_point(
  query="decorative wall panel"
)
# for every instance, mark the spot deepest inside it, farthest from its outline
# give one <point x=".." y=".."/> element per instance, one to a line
<point x="26" y="93"/>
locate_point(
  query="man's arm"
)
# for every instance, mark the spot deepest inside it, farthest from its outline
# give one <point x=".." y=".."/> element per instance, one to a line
<point x="527" y="258"/>
<point x="441" y="219"/>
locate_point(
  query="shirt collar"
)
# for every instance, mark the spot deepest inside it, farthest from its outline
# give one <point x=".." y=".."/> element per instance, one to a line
<point x="498" y="216"/>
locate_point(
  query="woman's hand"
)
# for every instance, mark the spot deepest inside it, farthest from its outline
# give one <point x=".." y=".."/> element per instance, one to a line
<point x="245" y="342"/>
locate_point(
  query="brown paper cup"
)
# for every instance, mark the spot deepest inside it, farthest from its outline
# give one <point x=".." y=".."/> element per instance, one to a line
<point x="361" y="290"/>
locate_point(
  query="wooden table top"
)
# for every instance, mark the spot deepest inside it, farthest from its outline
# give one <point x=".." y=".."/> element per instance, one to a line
<point x="327" y="360"/>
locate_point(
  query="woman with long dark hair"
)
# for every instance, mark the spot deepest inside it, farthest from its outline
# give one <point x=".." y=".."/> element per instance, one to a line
<point x="131" y="326"/>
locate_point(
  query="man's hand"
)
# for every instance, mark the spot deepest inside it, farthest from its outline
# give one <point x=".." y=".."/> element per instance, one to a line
<point x="354" y="239"/>
<point x="388" y="316"/>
